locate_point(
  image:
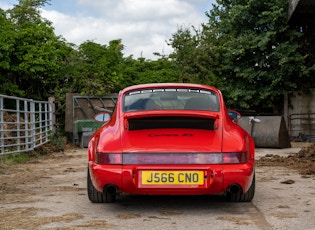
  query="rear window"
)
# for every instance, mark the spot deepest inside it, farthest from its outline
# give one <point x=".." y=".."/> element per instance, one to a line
<point x="171" y="99"/>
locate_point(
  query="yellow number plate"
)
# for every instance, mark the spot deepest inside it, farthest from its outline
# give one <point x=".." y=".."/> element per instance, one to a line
<point x="172" y="177"/>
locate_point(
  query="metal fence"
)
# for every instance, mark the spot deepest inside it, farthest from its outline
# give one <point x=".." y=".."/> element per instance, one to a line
<point x="302" y="126"/>
<point x="24" y="124"/>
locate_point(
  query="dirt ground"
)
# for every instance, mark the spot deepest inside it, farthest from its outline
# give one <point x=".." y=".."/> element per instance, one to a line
<point x="49" y="192"/>
<point x="303" y="160"/>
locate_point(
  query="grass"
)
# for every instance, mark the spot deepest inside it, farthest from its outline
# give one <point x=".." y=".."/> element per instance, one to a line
<point x="56" y="144"/>
<point x="11" y="159"/>
<point x="15" y="158"/>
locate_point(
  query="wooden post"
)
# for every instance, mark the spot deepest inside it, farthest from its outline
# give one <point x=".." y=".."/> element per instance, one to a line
<point x="51" y="101"/>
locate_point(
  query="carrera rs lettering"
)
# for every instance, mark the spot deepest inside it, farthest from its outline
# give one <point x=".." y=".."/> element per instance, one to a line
<point x="170" y="135"/>
<point x="163" y="135"/>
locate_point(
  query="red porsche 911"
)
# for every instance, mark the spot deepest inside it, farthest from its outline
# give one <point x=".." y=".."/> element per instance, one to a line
<point x="170" y="139"/>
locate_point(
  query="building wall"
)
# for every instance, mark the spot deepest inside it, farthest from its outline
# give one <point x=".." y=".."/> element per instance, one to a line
<point x="299" y="109"/>
<point x="292" y="6"/>
<point x="300" y="114"/>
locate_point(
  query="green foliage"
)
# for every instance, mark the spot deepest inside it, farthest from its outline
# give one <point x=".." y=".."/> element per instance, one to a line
<point x="16" y="158"/>
<point x="193" y="56"/>
<point x="93" y="69"/>
<point x="57" y="141"/>
<point x="258" y="52"/>
<point x="141" y="71"/>
<point x="32" y="53"/>
<point x="7" y="46"/>
<point x="248" y="50"/>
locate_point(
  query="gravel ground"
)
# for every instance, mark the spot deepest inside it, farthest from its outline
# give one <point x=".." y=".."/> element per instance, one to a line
<point x="50" y="193"/>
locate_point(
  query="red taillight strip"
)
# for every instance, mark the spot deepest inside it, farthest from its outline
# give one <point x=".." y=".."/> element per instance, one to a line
<point x="184" y="158"/>
<point x="234" y="158"/>
<point x="171" y="158"/>
<point x="108" y="158"/>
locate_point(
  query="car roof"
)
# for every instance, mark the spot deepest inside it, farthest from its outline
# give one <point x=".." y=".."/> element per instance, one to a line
<point x="169" y="85"/>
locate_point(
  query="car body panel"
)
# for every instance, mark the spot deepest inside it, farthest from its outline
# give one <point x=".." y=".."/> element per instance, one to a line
<point x="170" y="133"/>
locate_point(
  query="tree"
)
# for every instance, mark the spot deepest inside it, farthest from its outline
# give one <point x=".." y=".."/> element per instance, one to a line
<point x="93" y="69"/>
<point x="7" y="45"/>
<point x="193" y="57"/>
<point x="141" y="71"/>
<point x="33" y="52"/>
<point x="259" y="54"/>
<point x="248" y="50"/>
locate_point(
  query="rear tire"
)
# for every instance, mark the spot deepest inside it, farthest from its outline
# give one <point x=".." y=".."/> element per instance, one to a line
<point x="242" y="197"/>
<point x="96" y="196"/>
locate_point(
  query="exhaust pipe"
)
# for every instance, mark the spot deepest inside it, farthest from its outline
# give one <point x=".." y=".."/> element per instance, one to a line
<point x="111" y="189"/>
<point x="234" y="188"/>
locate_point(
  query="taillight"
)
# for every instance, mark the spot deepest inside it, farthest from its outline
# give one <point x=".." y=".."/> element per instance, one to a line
<point x="184" y="158"/>
<point x="108" y="158"/>
<point x="234" y="158"/>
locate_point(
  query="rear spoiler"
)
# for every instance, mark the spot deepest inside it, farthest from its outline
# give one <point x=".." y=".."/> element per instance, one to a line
<point x="162" y="120"/>
<point x="171" y="123"/>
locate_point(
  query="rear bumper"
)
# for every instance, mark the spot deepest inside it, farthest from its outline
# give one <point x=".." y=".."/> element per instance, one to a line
<point x="217" y="178"/>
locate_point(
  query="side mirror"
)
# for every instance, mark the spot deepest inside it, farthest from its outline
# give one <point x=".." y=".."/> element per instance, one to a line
<point x="234" y="115"/>
<point x="102" y="117"/>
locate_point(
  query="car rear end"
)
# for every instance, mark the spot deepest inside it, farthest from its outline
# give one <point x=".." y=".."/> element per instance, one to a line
<point x="171" y="149"/>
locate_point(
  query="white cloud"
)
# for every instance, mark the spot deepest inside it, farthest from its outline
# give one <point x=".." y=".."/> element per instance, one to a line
<point x="4" y="6"/>
<point x="138" y="9"/>
<point x="143" y="25"/>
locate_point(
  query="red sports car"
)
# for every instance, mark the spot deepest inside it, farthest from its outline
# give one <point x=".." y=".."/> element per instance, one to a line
<point x="170" y="139"/>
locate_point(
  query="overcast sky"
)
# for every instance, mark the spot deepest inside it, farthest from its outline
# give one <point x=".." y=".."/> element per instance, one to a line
<point x="143" y="25"/>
